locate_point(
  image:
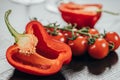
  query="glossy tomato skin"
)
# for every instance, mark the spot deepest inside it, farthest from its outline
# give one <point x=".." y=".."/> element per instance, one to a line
<point x="113" y="37"/>
<point x="93" y="31"/>
<point x="68" y="34"/>
<point x="99" y="49"/>
<point x="59" y="37"/>
<point x="78" y="46"/>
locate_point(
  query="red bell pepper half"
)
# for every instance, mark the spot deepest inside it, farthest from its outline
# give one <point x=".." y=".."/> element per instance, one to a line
<point x="34" y="52"/>
<point x="81" y="14"/>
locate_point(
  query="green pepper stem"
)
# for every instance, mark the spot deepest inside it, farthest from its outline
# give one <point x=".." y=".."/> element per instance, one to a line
<point x="108" y="12"/>
<point x="13" y="32"/>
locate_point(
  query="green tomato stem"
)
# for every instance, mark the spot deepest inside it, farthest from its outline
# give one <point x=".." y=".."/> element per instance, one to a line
<point x="111" y="46"/>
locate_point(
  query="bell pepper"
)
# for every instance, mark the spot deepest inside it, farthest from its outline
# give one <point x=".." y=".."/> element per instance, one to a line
<point x="81" y="14"/>
<point x="34" y="52"/>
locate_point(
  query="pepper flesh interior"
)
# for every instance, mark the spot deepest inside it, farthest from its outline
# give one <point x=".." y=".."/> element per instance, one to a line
<point x="34" y="60"/>
<point x="45" y="45"/>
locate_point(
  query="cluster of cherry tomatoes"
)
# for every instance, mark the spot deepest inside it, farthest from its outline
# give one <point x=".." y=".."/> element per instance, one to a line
<point x="85" y="40"/>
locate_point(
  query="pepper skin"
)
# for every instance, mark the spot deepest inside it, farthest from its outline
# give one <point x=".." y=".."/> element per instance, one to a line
<point x="34" y="52"/>
<point x="84" y="15"/>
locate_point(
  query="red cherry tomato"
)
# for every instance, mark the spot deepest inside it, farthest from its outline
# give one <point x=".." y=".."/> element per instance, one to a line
<point x="93" y="31"/>
<point x="99" y="49"/>
<point x="113" y="37"/>
<point x="78" y="46"/>
<point x="68" y="34"/>
<point x="50" y="30"/>
<point x="60" y="37"/>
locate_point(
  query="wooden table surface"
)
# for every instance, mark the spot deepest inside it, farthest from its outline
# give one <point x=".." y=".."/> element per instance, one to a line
<point x="82" y="68"/>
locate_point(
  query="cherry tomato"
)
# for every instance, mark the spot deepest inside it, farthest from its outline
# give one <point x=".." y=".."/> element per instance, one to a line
<point x="113" y="37"/>
<point x="57" y="35"/>
<point x="99" y="49"/>
<point x="78" y="46"/>
<point x="60" y="37"/>
<point x="68" y="34"/>
<point x="93" y="31"/>
<point x="50" y="30"/>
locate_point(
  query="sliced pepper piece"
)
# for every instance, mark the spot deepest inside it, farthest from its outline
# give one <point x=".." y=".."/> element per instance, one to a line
<point x="81" y="14"/>
<point x="34" y="52"/>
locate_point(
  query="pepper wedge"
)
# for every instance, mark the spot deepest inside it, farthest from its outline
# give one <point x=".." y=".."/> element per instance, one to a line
<point x="81" y="14"/>
<point x="34" y="52"/>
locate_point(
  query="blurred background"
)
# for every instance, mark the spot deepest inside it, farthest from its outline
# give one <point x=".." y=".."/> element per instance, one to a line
<point x="46" y="12"/>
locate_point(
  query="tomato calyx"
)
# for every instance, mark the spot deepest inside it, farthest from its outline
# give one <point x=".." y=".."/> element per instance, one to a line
<point x="100" y="49"/>
<point x="110" y="43"/>
<point x="74" y="32"/>
<point x="54" y="27"/>
<point x="91" y="41"/>
<point x="91" y="37"/>
<point x="111" y="46"/>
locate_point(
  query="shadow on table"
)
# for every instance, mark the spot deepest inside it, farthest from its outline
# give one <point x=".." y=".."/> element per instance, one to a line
<point x="95" y="67"/>
<point x="77" y="64"/>
<point x="17" y="75"/>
